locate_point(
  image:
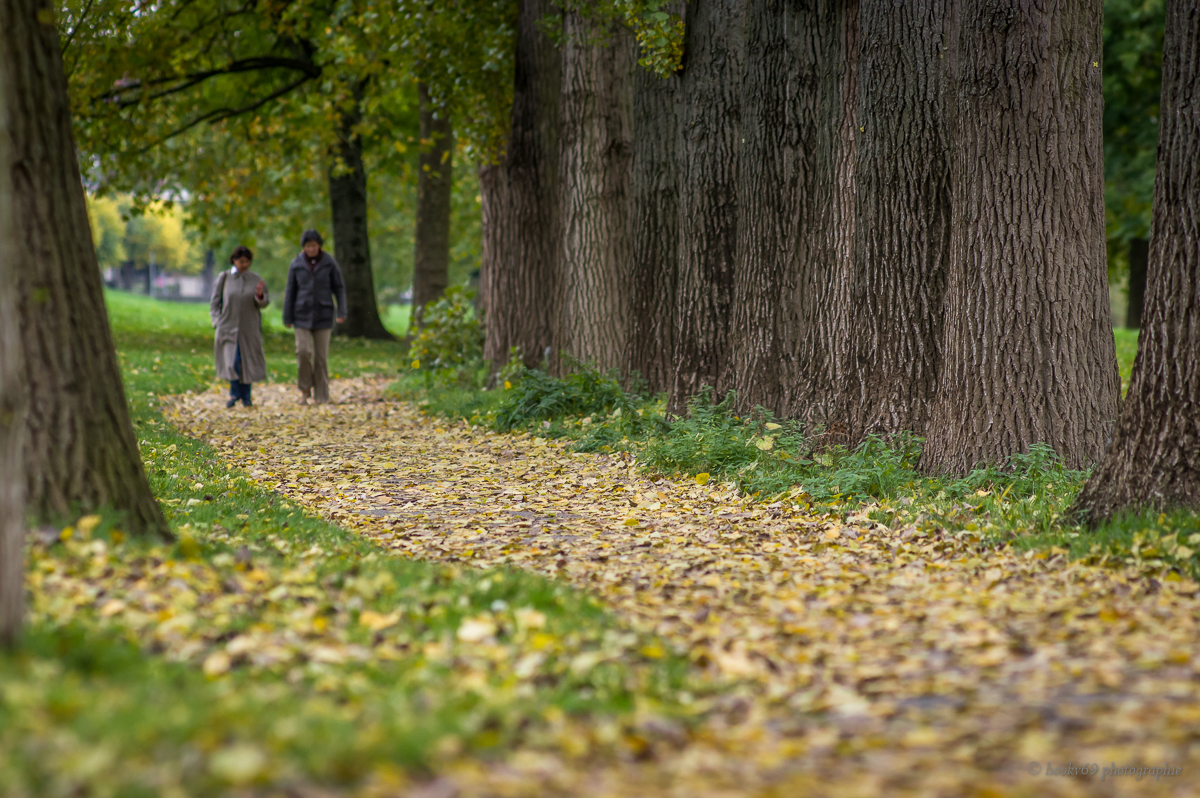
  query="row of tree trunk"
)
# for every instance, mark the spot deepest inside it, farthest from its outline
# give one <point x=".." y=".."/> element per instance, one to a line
<point x="871" y="216"/>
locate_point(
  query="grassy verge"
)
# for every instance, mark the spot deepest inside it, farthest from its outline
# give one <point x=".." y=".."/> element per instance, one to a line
<point x="1023" y="502"/>
<point x="268" y="650"/>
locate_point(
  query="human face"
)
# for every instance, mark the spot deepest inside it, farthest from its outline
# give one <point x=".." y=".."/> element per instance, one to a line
<point x="242" y="264"/>
<point x="312" y="249"/>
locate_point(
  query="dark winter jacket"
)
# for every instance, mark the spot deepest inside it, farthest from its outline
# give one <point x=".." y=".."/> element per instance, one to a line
<point x="308" y="300"/>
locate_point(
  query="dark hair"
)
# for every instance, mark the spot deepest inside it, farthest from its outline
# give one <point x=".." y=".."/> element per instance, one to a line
<point x="311" y="235"/>
<point x="241" y="251"/>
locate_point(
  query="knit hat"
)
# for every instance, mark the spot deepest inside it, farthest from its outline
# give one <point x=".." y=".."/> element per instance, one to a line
<point x="311" y="235"/>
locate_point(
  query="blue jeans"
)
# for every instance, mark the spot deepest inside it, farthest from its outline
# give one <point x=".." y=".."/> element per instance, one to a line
<point x="237" y="388"/>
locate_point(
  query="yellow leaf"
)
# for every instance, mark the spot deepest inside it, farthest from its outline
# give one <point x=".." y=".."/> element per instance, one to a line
<point x="238" y="764"/>
<point x="773" y="425"/>
<point x="86" y="524"/>
<point x="475" y="630"/>
<point x="765" y="443"/>
<point x="377" y="622"/>
<point x="112" y="607"/>
<point x="631" y="522"/>
<point x="702" y="478"/>
<point x="507" y="385"/>
<point x="416" y="364"/>
<point x="529" y="618"/>
<point x="216" y="663"/>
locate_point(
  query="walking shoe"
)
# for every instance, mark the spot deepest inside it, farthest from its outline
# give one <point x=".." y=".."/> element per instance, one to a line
<point x="303" y="400"/>
<point x="231" y="402"/>
<point x="247" y="403"/>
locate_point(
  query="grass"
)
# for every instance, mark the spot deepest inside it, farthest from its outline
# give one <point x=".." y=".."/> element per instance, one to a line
<point x="92" y="702"/>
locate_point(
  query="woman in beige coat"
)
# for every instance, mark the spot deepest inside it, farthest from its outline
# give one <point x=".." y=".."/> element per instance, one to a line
<point x="236" y="310"/>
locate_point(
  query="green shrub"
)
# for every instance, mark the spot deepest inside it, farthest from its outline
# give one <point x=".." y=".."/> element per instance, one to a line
<point x="539" y="397"/>
<point x="449" y="346"/>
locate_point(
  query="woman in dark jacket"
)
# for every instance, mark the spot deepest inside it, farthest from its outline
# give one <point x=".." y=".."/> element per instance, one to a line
<point x="238" y="298"/>
<point x="314" y="282"/>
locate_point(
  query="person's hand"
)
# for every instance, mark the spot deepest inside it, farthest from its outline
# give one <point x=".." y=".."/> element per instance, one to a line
<point x="258" y="289"/>
<point x="341" y="320"/>
<point x="285" y="324"/>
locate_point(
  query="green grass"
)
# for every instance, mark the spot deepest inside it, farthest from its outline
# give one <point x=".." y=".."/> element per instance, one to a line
<point x="87" y="707"/>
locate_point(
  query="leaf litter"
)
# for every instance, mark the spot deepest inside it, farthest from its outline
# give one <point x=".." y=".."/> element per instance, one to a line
<point x="844" y="657"/>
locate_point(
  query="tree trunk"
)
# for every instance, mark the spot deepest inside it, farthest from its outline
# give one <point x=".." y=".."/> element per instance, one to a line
<point x="1139" y="255"/>
<point x="1028" y="354"/>
<point x="80" y="451"/>
<point x="654" y="227"/>
<point x="823" y="249"/>
<point x="902" y="219"/>
<point x="710" y="93"/>
<point x="1154" y="459"/>
<point x="12" y="382"/>
<point x="352" y="244"/>
<point x="435" y="183"/>
<point x="596" y="155"/>
<point x="520" y="270"/>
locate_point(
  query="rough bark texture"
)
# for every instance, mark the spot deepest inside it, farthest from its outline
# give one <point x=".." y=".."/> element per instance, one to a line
<point x="520" y="272"/>
<point x="654" y="227"/>
<point x="80" y="453"/>
<point x="352" y="244"/>
<point x="435" y="182"/>
<point x="12" y="382"/>
<point x="1028" y="354"/>
<point x="776" y="142"/>
<point x="710" y="89"/>
<point x="1154" y="459"/>
<point x="902" y="219"/>
<point x="821" y="248"/>
<point x="1139" y="256"/>
<point x="596" y="154"/>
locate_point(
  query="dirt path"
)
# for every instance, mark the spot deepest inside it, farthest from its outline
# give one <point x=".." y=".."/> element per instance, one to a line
<point x="865" y="661"/>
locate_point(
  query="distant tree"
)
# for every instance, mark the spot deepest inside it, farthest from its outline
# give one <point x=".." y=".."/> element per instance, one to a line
<point x="80" y="453"/>
<point x="1133" y="48"/>
<point x="1154" y="459"/>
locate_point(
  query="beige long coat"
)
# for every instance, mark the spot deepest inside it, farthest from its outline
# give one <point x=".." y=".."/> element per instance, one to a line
<point x="237" y="317"/>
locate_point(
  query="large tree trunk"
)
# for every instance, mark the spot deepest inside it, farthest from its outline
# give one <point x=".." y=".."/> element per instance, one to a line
<point x="12" y="380"/>
<point x="902" y="219"/>
<point x="596" y="154"/>
<point x="1028" y="354"/>
<point x="710" y="89"/>
<point x="654" y="228"/>
<point x="352" y="244"/>
<point x="1139" y="256"/>
<point x="80" y="454"/>
<point x="818" y="294"/>
<point x="520" y="273"/>
<point x="1154" y="459"/>
<point x="435" y="183"/>
<point x="777" y="136"/>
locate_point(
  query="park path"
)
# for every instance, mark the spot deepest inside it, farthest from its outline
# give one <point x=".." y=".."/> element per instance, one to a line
<point x="862" y="660"/>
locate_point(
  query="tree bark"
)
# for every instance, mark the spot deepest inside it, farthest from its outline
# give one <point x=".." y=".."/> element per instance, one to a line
<point x="1139" y="255"/>
<point x="12" y="382"/>
<point x="1154" y="459"/>
<point x="520" y="217"/>
<point x="1028" y="353"/>
<point x="654" y="227"/>
<point x="710" y="89"/>
<point x="596" y="155"/>
<point x="823" y="247"/>
<point x="435" y="183"/>
<point x="902" y="219"/>
<point x="80" y="451"/>
<point x="352" y="244"/>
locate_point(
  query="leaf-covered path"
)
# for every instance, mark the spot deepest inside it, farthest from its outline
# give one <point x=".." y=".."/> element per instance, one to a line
<point x="854" y="659"/>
